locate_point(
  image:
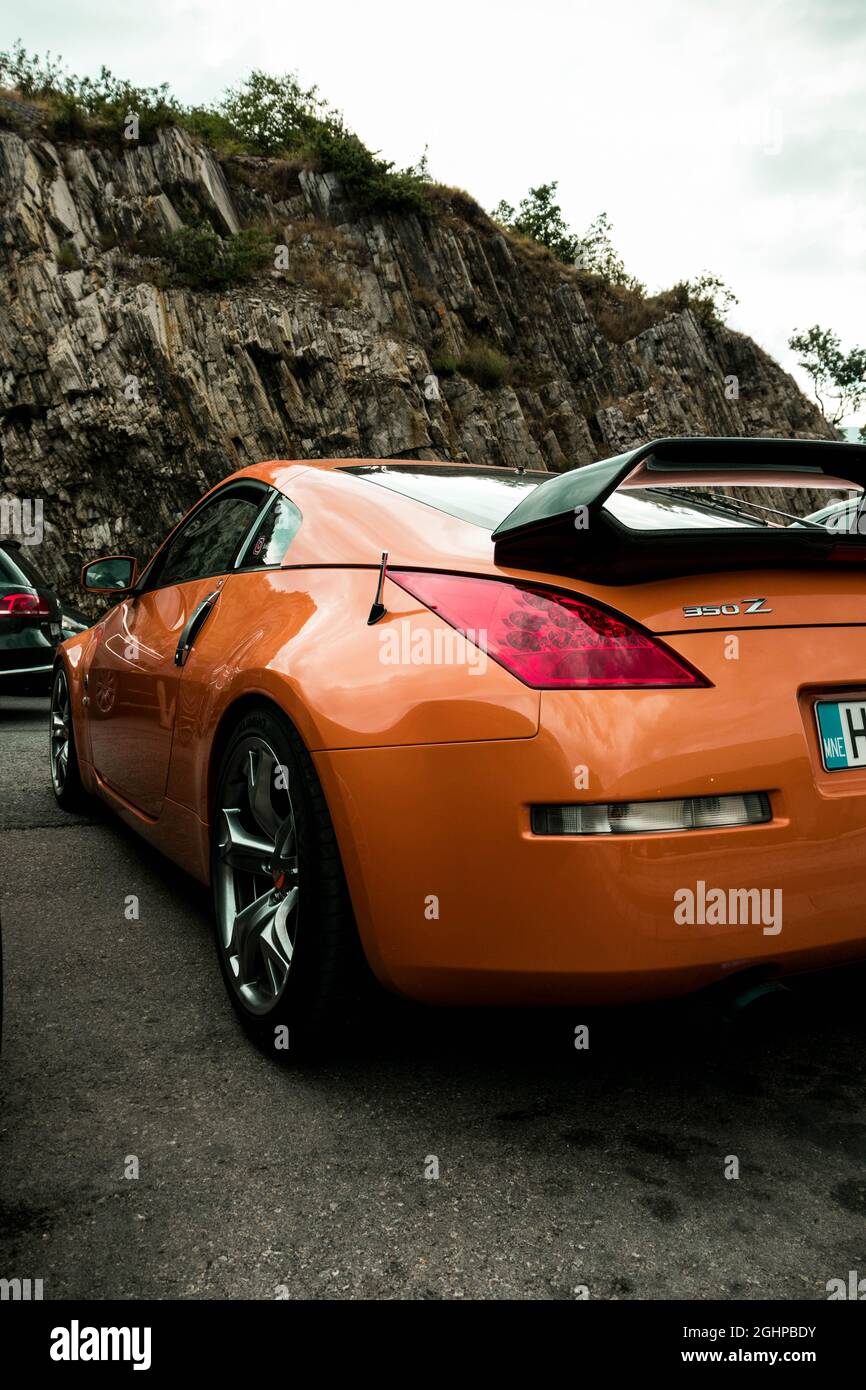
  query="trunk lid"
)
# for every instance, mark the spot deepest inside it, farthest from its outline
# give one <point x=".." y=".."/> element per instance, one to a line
<point x="729" y="602"/>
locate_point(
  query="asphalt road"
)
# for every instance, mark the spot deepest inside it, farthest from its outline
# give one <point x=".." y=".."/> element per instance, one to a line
<point x="558" y="1169"/>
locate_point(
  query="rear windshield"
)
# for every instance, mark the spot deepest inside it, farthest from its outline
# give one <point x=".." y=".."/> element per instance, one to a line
<point x="18" y="568"/>
<point x="809" y="501"/>
<point x="483" y="496"/>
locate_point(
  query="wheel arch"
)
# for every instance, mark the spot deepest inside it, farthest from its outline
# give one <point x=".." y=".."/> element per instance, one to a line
<point x="229" y="719"/>
<point x="72" y="657"/>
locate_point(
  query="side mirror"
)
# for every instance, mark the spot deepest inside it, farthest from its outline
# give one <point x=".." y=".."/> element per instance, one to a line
<point x="114" y="574"/>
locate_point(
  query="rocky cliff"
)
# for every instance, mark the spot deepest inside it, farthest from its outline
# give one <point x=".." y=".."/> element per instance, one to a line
<point x="124" y="395"/>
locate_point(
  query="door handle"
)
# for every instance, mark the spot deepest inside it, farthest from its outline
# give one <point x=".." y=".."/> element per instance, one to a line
<point x="194" y="627"/>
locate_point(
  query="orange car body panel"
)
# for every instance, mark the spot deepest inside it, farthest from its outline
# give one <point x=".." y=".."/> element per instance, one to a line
<point x="430" y="771"/>
<point x="527" y="918"/>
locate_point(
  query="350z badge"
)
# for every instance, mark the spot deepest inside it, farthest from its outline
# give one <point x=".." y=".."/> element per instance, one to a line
<point x="726" y="610"/>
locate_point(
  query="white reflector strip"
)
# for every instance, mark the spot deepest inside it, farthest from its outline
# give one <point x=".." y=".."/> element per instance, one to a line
<point x="644" y="817"/>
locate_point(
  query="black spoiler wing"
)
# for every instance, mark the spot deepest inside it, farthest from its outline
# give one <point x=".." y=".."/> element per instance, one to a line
<point x="562" y="527"/>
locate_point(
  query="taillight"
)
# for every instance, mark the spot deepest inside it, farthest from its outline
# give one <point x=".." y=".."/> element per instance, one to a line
<point x="23" y="606"/>
<point x="549" y="640"/>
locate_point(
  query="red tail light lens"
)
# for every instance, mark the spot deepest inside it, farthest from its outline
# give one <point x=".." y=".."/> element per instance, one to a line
<point x="23" y="606"/>
<point x="549" y="640"/>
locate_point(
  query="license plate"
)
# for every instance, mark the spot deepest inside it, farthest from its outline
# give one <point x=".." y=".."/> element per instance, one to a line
<point x="842" y="733"/>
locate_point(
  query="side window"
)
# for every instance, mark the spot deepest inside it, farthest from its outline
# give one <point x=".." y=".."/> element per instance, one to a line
<point x="272" y="537"/>
<point x="210" y="540"/>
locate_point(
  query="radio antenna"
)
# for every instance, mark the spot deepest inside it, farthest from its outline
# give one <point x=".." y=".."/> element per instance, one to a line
<point x="379" y="610"/>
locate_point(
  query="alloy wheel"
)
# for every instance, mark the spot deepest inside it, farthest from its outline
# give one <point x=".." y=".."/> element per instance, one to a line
<point x="58" y="732"/>
<point x="257" y="887"/>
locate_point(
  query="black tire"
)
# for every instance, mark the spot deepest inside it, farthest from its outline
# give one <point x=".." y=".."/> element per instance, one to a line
<point x="328" y="975"/>
<point x="67" y="785"/>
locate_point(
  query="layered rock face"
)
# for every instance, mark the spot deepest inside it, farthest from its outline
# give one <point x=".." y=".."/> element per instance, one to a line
<point x="123" y="397"/>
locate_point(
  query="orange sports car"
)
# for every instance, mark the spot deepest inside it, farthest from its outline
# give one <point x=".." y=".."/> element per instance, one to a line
<point x="495" y="736"/>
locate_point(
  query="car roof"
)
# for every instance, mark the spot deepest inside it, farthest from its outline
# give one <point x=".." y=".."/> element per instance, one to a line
<point x="272" y="468"/>
<point x="347" y="520"/>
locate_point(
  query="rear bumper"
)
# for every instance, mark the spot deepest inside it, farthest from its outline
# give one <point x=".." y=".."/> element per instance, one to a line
<point x="26" y="661"/>
<point x="457" y="900"/>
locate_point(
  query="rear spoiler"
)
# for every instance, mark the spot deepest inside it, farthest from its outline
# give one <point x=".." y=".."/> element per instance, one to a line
<point x="562" y="527"/>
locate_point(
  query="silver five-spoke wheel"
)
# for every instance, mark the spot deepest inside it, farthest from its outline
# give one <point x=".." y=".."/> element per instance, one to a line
<point x="257" y="874"/>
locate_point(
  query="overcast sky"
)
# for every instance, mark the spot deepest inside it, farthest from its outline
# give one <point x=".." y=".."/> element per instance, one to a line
<point x="727" y="135"/>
